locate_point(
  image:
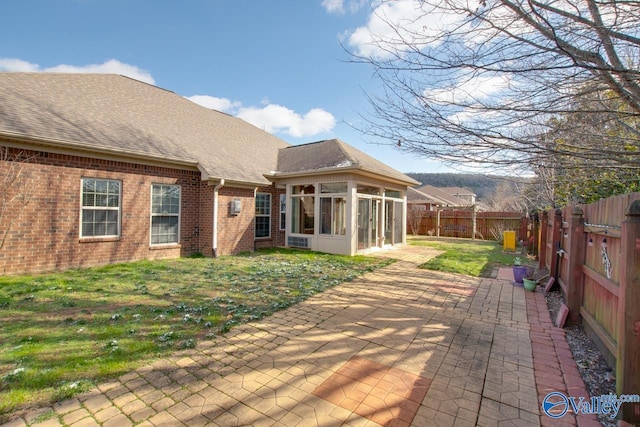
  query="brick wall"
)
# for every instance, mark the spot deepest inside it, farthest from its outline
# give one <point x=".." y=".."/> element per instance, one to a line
<point x="235" y="232"/>
<point x="45" y="233"/>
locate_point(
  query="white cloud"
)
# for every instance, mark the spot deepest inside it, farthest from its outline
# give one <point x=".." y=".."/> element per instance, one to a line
<point x="275" y="118"/>
<point x="394" y="25"/>
<point x="477" y="88"/>
<point x="272" y="118"/>
<point x="112" y="66"/>
<point x="338" y="6"/>
<point x="12" y="64"/>
<point x="333" y="6"/>
<point x="215" y="103"/>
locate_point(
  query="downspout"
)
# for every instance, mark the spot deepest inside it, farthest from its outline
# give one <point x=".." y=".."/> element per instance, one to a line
<point x="215" y="218"/>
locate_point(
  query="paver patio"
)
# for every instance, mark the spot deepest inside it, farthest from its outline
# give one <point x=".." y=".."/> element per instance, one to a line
<point x="398" y="347"/>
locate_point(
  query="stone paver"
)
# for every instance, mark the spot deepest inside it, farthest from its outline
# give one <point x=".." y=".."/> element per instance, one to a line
<point x="399" y="346"/>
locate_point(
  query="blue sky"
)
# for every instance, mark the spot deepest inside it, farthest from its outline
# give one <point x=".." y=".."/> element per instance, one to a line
<point x="278" y="64"/>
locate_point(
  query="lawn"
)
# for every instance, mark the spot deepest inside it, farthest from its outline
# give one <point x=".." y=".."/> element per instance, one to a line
<point x="471" y="257"/>
<point x="63" y="332"/>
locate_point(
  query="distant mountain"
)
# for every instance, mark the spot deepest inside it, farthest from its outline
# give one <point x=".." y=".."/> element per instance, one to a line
<point x="483" y="186"/>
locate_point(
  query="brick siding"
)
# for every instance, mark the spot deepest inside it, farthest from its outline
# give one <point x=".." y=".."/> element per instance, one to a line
<point x="45" y="233"/>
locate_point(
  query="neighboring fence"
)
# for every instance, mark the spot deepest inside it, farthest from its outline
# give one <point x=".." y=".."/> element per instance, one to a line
<point x="593" y="251"/>
<point x="460" y="223"/>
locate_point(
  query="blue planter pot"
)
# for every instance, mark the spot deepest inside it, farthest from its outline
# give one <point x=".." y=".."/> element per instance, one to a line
<point x="519" y="271"/>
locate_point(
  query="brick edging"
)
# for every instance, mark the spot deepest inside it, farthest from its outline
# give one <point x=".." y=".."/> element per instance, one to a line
<point x="554" y="366"/>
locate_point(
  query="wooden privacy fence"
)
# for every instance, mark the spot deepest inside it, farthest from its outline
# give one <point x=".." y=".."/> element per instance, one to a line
<point x="593" y="251"/>
<point x="460" y="223"/>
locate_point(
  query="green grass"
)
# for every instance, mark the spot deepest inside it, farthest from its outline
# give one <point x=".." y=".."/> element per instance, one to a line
<point x="473" y="258"/>
<point x="63" y="332"/>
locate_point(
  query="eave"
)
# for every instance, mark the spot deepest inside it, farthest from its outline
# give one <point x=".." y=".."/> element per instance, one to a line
<point x="59" y="146"/>
<point x="355" y="169"/>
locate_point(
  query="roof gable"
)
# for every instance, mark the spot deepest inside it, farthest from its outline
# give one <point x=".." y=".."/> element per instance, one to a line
<point x="331" y="156"/>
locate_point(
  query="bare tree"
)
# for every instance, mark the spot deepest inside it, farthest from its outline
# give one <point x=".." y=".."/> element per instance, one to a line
<point x="16" y="190"/>
<point x="477" y="82"/>
<point x="414" y="218"/>
<point x="507" y="197"/>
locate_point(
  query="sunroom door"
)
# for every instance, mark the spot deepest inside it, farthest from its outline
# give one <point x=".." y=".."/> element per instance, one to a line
<point x="367" y="222"/>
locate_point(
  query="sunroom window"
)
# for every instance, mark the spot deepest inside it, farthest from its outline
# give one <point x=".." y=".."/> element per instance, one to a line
<point x="333" y="213"/>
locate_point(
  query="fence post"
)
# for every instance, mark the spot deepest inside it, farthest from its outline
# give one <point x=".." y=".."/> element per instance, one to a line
<point x="474" y="225"/>
<point x="556" y="236"/>
<point x="542" y="245"/>
<point x="535" y="247"/>
<point x="628" y="360"/>
<point x="576" y="251"/>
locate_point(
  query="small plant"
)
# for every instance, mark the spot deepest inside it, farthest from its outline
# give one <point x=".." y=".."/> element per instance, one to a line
<point x="517" y="261"/>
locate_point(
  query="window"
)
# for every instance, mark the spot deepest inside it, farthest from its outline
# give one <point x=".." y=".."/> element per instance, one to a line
<point x="303" y="209"/>
<point x="333" y="212"/>
<point x="333" y="187"/>
<point x="392" y="193"/>
<point x="165" y="214"/>
<point x="302" y="214"/>
<point x="263" y="215"/>
<point x="100" y="213"/>
<point x="283" y="211"/>
<point x="367" y="189"/>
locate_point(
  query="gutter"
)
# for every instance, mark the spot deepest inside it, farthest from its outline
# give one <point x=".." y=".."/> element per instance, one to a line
<point x="214" y="243"/>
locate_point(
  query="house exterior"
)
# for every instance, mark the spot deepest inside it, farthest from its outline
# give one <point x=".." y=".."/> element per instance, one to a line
<point x="98" y="169"/>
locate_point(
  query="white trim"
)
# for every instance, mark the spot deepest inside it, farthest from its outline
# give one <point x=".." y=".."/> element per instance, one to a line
<point x="214" y="233"/>
<point x="256" y="194"/>
<point x="280" y="211"/>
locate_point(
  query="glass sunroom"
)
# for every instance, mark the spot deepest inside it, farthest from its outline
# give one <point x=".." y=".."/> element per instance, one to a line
<point x="355" y="205"/>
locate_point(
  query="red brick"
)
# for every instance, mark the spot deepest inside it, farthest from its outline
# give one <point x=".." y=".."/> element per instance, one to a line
<point x="45" y="234"/>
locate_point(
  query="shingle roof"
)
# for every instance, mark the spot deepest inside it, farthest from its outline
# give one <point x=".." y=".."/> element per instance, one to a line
<point x="117" y="114"/>
<point x="441" y="196"/>
<point x="417" y="196"/>
<point x="457" y="191"/>
<point x="333" y="155"/>
<point x="113" y="113"/>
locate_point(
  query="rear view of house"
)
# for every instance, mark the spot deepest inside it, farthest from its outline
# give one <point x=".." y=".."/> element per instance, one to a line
<point x="97" y="169"/>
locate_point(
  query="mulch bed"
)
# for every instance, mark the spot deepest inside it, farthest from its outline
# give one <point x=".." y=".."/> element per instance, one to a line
<point x="596" y="374"/>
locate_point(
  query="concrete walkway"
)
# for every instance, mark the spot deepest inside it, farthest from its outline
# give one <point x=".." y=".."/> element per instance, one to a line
<point x="397" y="347"/>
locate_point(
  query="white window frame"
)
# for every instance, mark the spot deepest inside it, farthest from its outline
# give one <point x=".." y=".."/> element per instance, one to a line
<point x="336" y="228"/>
<point x="94" y="208"/>
<point x="283" y="212"/>
<point x="164" y="214"/>
<point x="263" y="215"/>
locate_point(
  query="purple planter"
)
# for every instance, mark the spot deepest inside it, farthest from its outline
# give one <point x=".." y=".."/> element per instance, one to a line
<point x="519" y="271"/>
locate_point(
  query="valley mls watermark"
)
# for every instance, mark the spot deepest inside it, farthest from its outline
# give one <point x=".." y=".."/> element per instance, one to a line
<point x="557" y="404"/>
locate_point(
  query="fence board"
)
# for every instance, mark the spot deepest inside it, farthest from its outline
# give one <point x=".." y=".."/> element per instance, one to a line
<point x="599" y="279"/>
<point x="459" y="223"/>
